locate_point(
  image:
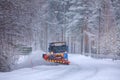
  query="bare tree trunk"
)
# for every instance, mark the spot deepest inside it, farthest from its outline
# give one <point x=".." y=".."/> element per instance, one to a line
<point x="99" y="31"/>
<point x="46" y="37"/>
<point x="89" y="47"/>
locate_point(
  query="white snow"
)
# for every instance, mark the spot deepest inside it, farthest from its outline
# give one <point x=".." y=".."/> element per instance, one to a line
<point x="81" y="68"/>
<point x="34" y="59"/>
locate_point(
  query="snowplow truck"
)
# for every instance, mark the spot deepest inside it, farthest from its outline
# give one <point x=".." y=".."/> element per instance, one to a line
<point x="58" y="53"/>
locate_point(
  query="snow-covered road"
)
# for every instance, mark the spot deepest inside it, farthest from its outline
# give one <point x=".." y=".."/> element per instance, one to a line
<point x="81" y="68"/>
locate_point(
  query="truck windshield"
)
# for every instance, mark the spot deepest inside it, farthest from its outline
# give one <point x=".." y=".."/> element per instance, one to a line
<point x="58" y="49"/>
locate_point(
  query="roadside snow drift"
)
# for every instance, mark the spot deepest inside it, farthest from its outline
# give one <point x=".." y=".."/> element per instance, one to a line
<point x="81" y="68"/>
<point x="34" y="59"/>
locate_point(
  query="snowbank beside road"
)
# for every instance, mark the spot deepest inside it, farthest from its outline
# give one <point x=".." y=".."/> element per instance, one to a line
<point x="34" y="59"/>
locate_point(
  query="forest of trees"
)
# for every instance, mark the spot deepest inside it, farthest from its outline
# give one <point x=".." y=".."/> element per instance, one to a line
<point x="90" y="27"/>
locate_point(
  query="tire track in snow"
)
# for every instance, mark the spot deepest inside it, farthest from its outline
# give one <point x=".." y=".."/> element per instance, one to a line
<point x="67" y="71"/>
<point x="75" y="71"/>
<point x="91" y="75"/>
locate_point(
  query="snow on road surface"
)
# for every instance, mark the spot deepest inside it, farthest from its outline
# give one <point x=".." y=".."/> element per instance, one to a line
<point x="81" y="68"/>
